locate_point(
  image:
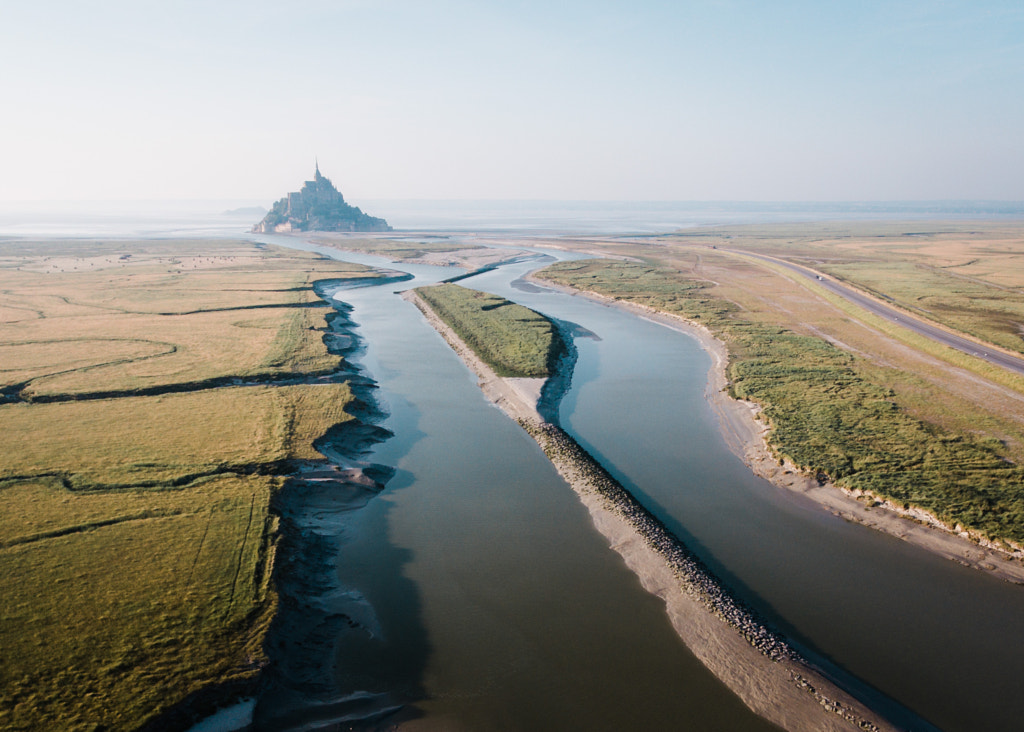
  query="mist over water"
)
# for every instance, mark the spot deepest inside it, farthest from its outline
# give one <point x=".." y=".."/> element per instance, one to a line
<point x="647" y="217"/>
<point x="124" y="219"/>
<point x="220" y="218"/>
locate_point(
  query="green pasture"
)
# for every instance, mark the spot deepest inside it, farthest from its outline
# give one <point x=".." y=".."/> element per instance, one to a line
<point x="513" y="340"/>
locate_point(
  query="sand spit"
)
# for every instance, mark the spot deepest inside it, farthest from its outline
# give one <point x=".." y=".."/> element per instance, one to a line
<point x="747" y="437"/>
<point x="470" y="257"/>
<point x="751" y="659"/>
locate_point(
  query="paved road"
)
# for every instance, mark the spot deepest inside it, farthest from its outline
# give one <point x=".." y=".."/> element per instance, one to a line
<point x="921" y="327"/>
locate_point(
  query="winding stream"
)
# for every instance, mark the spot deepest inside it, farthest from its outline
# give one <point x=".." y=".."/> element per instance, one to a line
<point x="497" y="606"/>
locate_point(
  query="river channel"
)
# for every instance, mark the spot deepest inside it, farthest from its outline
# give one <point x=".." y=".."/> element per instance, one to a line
<point x="498" y="606"/>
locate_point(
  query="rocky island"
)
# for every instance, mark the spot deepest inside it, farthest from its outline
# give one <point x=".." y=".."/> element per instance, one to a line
<point x="319" y="206"/>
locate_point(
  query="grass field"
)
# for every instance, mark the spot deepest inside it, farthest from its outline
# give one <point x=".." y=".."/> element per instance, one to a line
<point x="936" y="384"/>
<point x="830" y="411"/>
<point x="117" y="604"/>
<point x="135" y="531"/>
<point x="513" y="340"/>
<point x="171" y="313"/>
<point x="968" y="276"/>
<point x="993" y="314"/>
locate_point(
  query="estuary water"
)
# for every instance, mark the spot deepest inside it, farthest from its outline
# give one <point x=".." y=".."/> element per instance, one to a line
<point x="501" y="608"/>
<point x="497" y="603"/>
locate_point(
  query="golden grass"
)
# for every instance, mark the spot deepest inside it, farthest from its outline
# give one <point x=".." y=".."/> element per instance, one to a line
<point x="108" y="444"/>
<point x="991" y="314"/>
<point x="920" y="343"/>
<point x="967" y="276"/>
<point x="108" y="623"/>
<point x="135" y="531"/>
<point x="228" y="310"/>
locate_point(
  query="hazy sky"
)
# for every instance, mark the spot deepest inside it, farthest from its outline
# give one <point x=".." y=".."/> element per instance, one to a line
<point x="715" y="100"/>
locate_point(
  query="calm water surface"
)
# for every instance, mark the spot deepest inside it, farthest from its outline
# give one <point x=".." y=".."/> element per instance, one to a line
<point x="502" y="608"/>
<point x="943" y="640"/>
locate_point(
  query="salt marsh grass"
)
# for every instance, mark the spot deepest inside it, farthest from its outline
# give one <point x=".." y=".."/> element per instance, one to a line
<point x="830" y="412"/>
<point x="513" y="340"/>
<point x="135" y="530"/>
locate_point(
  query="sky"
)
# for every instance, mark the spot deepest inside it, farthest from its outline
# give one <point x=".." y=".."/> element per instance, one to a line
<point x="520" y="99"/>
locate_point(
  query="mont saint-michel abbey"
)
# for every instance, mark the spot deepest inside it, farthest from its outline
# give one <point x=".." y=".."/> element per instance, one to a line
<point x="319" y="206"/>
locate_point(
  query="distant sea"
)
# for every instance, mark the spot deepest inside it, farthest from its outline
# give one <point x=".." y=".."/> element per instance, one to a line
<point x="205" y="218"/>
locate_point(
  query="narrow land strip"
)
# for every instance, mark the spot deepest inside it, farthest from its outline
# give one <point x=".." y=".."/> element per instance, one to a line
<point x="757" y="664"/>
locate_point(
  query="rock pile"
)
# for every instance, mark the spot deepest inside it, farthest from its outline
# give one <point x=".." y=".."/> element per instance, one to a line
<point x="586" y="476"/>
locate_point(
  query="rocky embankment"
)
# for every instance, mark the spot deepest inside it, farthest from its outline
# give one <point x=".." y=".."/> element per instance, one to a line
<point x="587" y="476"/>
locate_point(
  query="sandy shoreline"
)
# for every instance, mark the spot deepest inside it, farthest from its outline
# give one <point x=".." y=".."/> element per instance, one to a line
<point x="749" y="658"/>
<point x="746" y="436"/>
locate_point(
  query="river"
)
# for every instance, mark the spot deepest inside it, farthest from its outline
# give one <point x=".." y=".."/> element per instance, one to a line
<point x="500" y="607"/>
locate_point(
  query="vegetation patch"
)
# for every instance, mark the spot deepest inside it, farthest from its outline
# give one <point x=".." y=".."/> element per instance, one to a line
<point x="135" y="531"/>
<point x="826" y="414"/>
<point x="83" y="319"/>
<point x="992" y="314"/>
<point x="104" y="624"/>
<point x="513" y="340"/>
<point x="967" y="276"/>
